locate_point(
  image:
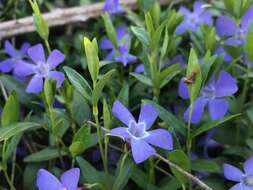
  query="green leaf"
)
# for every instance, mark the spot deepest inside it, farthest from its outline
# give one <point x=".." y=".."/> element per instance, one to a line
<point x="180" y="158"/>
<point x="89" y="173"/>
<point x="106" y="114"/>
<point x="40" y="23"/>
<point x="82" y="134"/>
<point x="209" y="35"/>
<point x="155" y="39"/>
<point x="77" y="148"/>
<point x="11" y="84"/>
<point x="81" y="108"/>
<point x="208" y="62"/>
<point x="143" y="79"/>
<point x="149" y="24"/>
<point x="168" y="73"/>
<point x="15" y="129"/>
<point x="156" y="13"/>
<point x="29" y="176"/>
<point x="248" y="46"/>
<point x="100" y="85"/>
<point x="229" y="4"/>
<point x="194" y="67"/>
<point x="123" y="173"/>
<point x="140" y="178"/>
<point x="11" y="146"/>
<point x="212" y="124"/>
<point x="171" y="120"/>
<point x="142" y="35"/>
<point x="45" y="155"/>
<point x="110" y="30"/>
<point x="79" y="83"/>
<point x="49" y="92"/>
<point x="205" y="166"/>
<point x="92" y="58"/>
<point x="10" y="113"/>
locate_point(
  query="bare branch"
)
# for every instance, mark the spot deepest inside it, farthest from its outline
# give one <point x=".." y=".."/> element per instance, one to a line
<point x="60" y="17"/>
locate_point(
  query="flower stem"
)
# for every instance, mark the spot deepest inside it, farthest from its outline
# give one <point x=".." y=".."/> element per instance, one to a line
<point x="189" y="139"/>
<point x="47" y="46"/>
<point x="4" y="168"/>
<point x="95" y="114"/>
<point x="187" y="174"/>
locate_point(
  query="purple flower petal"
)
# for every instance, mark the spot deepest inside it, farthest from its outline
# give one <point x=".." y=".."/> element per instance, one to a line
<point x="247" y="18"/>
<point x="161" y="138"/>
<point x="37" y="53"/>
<point x="184" y="11"/>
<point x="233" y="42"/>
<point x="9" y="49"/>
<point x="120" y="131"/>
<point x="45" y="181"/>
<point x="24" y="48"/>
<point x="58" y="76"/>
<point x="55" y="58"/>
<point x="183" y="90"/>
<point x="35" y="85"/>
<point x="198" y="7"/>
<point x="225" y="85"/>
<point x="217" y="108"/>
<point x="141" y="150"/>
<point x="221" y="50"/>
<point x="248" y="166"/>
<point x="6" y="65"/>
<point x="122" y="113"/>
<point x="112" y="6"/>
<point x="182" y="28"/>
<point x="70" y="178"/>
<point x="207" y="18"/>
<point x="139" y="68"/>
<point x="121" y="32"/>
<point x="198" y="109"/>
<point x="148" y="115"/>
<point x="225" y="26"/>
<point x="232" y="173"/>
<point x="110" y="55"/>
<point x="238" y="186"/>
<point x="23" y="68"/>
<point x="106" y="44"/>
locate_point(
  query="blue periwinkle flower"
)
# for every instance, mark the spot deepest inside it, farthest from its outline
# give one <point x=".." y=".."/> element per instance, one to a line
<point x="41" y="68"/>
<point x="137" y="132"/>
<point x="244" y="179"/>
<point x="68" y="181"/>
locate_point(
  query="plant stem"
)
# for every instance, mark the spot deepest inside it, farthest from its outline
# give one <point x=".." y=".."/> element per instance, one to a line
<point x="95" y="113"/>
<point x="13" y="165"/>
<point x="47" y="46"/>
<point x="8" y="179"/>
<point x="187" y="174"/>
<point x="4" y="168"/>
<point x="3" y="91"/>
<point x="189" y="139"/>
<point x="245" y="89"/>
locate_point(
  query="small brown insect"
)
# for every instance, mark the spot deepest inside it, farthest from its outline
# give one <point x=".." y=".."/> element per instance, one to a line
<point x="190" y="79"/>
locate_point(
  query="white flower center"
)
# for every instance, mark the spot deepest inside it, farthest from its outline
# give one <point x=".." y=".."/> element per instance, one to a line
<point x="138" y="130"/>
<point x="42" y="69"/>
<point x="248" y="180"/>
<point x="208" y="91"/>
<point x="240" y="34"/>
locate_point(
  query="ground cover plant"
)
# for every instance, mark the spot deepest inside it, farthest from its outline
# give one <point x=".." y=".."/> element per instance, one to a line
<point x="155" y="98"/>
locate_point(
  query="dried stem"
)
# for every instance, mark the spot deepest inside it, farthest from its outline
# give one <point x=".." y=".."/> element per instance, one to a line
<point x="60" y="17"/>
<point x="181" y="170"/>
